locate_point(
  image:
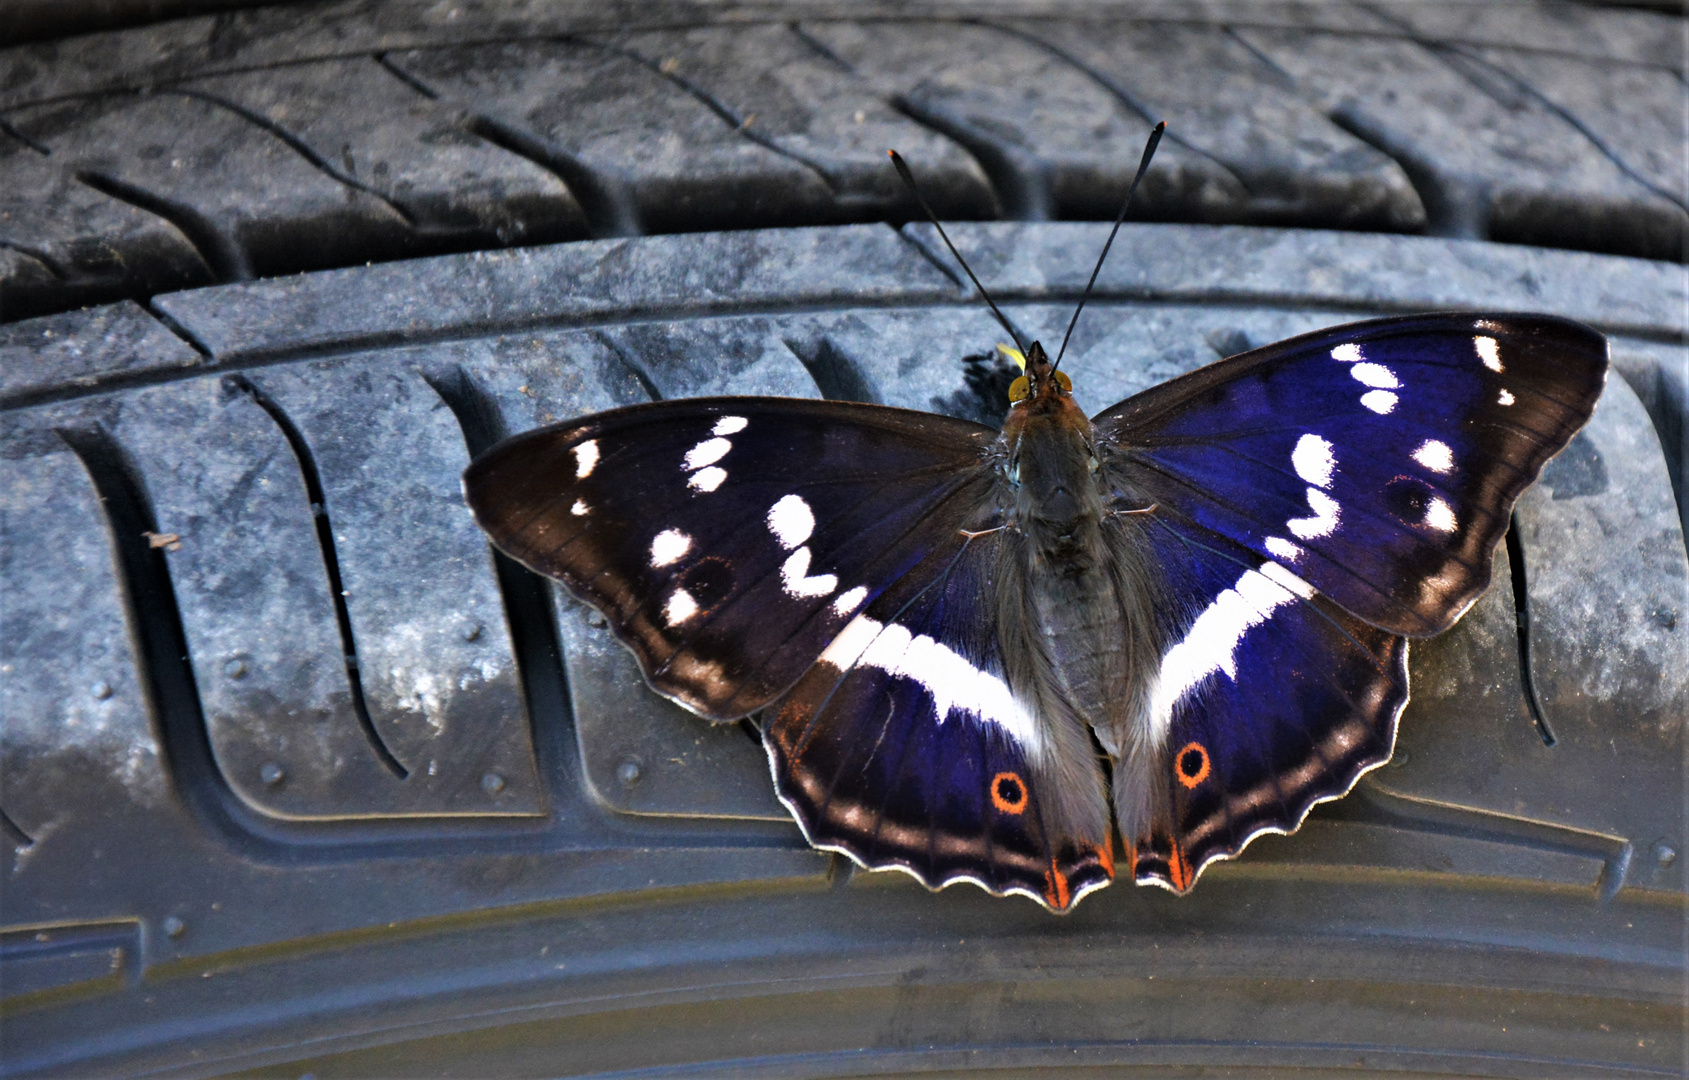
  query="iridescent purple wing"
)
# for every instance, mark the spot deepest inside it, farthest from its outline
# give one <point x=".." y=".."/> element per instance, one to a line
<point x="1269" y="698"/>
<point x="728" y="540"/>
<point x="904" y="748"/>
<point x="1378" y="460"/>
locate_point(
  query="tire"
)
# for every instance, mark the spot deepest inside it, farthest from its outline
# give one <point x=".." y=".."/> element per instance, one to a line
<point x="298" y="777"/>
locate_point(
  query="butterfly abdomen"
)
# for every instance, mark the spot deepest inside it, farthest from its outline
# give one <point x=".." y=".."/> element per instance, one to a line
<point x="1076" y="622"/>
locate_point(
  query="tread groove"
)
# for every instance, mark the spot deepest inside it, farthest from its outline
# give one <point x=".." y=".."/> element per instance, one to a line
<point x="220" y="251"/>
<point x="609" y="209"/>
<point x="149" y="598"/>
<point x="1522" y="623"/>
<point x="169" y="322"/>
<point x="741" y="125"/>
<point x="1113" y="87"/>
<point x="8" y="128"/>
<point x="530" y="613"/>
<point x="331" y="565"/>
<point x="298" y="146"/>
<point x="48" y="263"/>
<point x="1023" y="194"/>
<point x="635" y="365"/>
<point x="14" y="833"/>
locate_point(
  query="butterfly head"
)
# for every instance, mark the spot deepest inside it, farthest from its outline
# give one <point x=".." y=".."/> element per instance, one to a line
<point x="1039" y="378"/>
<point x="1050" y="453"/>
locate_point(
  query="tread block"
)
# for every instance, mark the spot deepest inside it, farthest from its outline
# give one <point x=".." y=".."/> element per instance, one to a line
<point x="1636" y="112"/>
<point x="597" y="280"/>
<point x="256" y="607"/>
<point x="260" y="617"/>
<point x="1598" y="31"/>
<point x="782" y="91"/>
<point x="56" y="353"/>
<point x="1307" y="268"/>
<point x="1609" y="655"/>
<point x="1297" y="167"/>
<point x="437" y="668"/>
<point x="642" y="153"/>
<point x="92" y="247"/>
<point x="373" y="130"/>
<point x="76" y="725"/>
<point x="1013" y="104"/>
<point x="1491" y="160"/>
<point x="252" y="205"/>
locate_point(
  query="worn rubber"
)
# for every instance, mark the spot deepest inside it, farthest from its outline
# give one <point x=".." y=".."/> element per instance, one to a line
<point x="297" y="777"/>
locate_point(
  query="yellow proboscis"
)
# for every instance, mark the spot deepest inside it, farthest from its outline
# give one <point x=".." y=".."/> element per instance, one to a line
<point x="1020" y="387"/>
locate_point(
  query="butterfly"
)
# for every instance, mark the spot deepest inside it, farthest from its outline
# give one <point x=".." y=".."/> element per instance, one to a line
<point x="1038" y="657"/>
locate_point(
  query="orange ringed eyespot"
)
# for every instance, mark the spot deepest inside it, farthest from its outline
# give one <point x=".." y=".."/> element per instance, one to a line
<point x="1008" y="793"/>
<point x="1191" y="765"/>
<point x="1018" y="389"/>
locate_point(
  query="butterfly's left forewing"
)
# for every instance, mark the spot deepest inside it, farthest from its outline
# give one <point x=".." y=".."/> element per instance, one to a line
<point x="728" y="541"/>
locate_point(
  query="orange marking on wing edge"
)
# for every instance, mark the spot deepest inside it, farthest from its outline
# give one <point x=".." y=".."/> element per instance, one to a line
<point x="1131" y="857"/>
<point x="795" y="714"/>
<point x="1179" y="868"/>
<point x="1014" y="800"/>
<point x="1105" y="852"/>
<point x="1055" y="888"/>
<point x="1191" y="779"/>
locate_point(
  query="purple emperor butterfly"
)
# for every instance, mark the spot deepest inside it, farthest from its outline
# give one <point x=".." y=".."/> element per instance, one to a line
<point x="1033" y="658"/>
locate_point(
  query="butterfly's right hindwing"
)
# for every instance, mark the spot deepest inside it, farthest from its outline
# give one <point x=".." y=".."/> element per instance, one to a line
<point x="904" y="747"/>
<point x="728" y="541"/>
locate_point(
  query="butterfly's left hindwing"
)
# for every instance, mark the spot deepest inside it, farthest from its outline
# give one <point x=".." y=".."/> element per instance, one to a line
<point x="903" y="747"/>
<point x="1268" y="699"/>
<point x="727" y="541"/>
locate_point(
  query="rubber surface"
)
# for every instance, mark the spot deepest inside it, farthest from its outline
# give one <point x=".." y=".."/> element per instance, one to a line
<point x="298" y="777"/>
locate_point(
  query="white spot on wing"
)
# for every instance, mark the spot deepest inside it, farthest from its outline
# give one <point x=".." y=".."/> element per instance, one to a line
<point x="1505" y="398"/>
<point x="669" y="547"/>
<point x="1326" y="512"/>
<point x="1210" y="645"/>
<point x="1379" y="401"/>
<point x="1440" y="516"/>
<point x="1435" y="455"/>
<point x="707" y="479"/>
<point x="1283" y="548"/>
<point x="586" y="459"/>
<point x="679" y="608"/>
<point x="851" y="643"/>
<point x="1375" y="375"/>
<point x="1314" y="460"/>
<point x="794" y="576"/>
<point x="1489" y="352"/>
<point x="791" y="521"/>
<point x="580" y="509"/>
<point x="1348" y="354"/>
<point x="707" y="452"/>
<point x="848" y="601"/>
<point x="728" y="425"/>
<point x="954" y="683"/>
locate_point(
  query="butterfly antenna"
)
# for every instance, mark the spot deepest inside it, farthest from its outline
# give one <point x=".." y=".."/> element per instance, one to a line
<point x="909" y="182"/>
<point x="1143" y="167"/>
